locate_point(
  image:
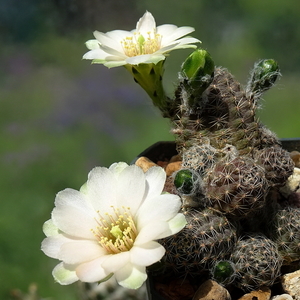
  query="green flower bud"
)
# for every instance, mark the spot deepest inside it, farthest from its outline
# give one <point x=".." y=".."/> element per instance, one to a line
<point x="223" y="272"/>
<point x="199" y="69"/>
<point x="184" y="181"/>
<point x="264" y="75"/>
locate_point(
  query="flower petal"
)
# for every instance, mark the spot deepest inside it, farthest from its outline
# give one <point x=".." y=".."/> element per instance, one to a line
<point x="147" y="254"/>
<point x="145" y="24"/>
<point x="116" y="262"/>
<point x="112" y="51"/>
<point x="49" y="228"/>
<point x="163" y="207"/>
<point x="131" y="277"/>
<point x="79" y="251"/>
<point x="112" y="39"/>
<point x="185" y="43"/>
<point x="175" y="225"/>
<point x="146" y="58"/>
<point x="101" y="189"/>
<point x="119" y="35"/>
<point x="117" y="168"/>
<point x="166" y="30"/>
<point x="92" y="44"/>
<point x="113" y="64"/>
<point x="131" y="188"/>
<point x="64" y="275"/>
<point x="74" y="221"/>
<point x="152" y="231"/>
<point x="52" y="244"/>
<point x="95" y="54"/>
<point x="160" y="229"/>
<point x="155" y="181"/>
<point x="176" y="34"/>
<point x="92" y="271"/>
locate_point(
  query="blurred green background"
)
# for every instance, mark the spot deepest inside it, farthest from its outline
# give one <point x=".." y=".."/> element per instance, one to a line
<point x="60" y="116"/>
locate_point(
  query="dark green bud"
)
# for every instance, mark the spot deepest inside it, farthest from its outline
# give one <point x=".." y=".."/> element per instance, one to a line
<point x="184" y="181"/>
<point x="198" y="69"/>
<point x="223" y="272"/>
<point x="264" y="75"/>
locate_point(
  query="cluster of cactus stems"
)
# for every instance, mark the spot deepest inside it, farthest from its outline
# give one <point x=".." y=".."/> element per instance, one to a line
<point x="230" y="178"/>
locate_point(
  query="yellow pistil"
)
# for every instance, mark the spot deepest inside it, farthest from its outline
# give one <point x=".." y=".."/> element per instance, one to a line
<point x="116" y="232"/>
<point x="139" y="45"/>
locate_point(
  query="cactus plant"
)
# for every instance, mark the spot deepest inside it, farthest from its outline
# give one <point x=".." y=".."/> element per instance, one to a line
<point x="207" y="237"/>
<point x="231" y="173"/>
<point x="257" y="262"/>
<point x="236" y="187"/>
<point x="286" y="233"/>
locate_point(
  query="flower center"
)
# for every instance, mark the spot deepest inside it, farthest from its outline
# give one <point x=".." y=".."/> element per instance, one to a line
<point x="139" y="44"/>
<point x="116" y="232"/>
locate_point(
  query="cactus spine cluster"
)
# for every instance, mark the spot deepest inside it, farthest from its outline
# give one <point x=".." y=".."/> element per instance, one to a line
<point x="257" y="262"/>
<point x="208" y="237"/>
<point x="231" y="173"/>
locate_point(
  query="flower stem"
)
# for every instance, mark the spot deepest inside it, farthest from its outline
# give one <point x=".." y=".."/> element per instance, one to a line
<point x="149" y="77"/>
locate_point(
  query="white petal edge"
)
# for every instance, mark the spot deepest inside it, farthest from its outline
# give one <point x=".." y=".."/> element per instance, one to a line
<point x="113" y="51"/>
<point x="187" y="42"/>
<point x="92" y="271"/>
<point x="100" y="189"/>
<point x="92" y="44"/>
<point x="147" y="254"/>
<point x="52" y="244"/>
<point x="116" y="262"/>
<point x="64" y="276"/>
<point x="160" y="229"/>
<point x="175" y="225"/>
<point x="112" y="39"/>
<point x="163" y="207"/>
<point x="155" y="181"/>
<point x="176" y="34"/>
<point x="147" y="58"/>
<point x="50" y="229"/>
<point x="95" y="54"/>
<point x="74" y="221"/>
<point x="80" y="251"/>
<point x="131" y="185"/>
<point x="117" y="168"/>
<point x="145" y="24"/>
<point x="152" y="231"/>
<point x="131" y="277"/>
<point x="113" y="64"/>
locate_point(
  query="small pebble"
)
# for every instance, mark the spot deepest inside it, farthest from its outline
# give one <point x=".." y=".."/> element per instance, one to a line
<point x="292" y="183"/>
<point x="145" y="163"/>
<point x="211" y="290"/>
<point x="282" y="297"/>
<point x="264" y="293"/>
<point x="295" y="155"/>
<point x="291" y="284"/>
<point x="173" y="167"/>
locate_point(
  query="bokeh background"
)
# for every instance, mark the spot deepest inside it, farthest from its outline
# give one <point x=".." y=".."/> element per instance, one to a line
<point x="60" y="116"/>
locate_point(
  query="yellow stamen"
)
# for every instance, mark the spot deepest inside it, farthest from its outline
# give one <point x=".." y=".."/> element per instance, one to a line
<point x="140" y="45"/>
<point x="116" y="232"/>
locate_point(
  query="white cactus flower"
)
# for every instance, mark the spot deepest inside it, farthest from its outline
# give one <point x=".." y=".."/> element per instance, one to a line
<point x="145" y="44"/>
<point x="110" y="226"/>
